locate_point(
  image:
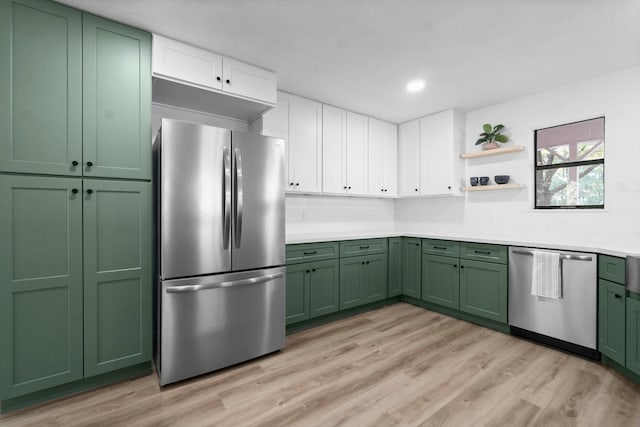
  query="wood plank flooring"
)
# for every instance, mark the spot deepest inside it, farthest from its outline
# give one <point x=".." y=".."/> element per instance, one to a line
<point x="399" y="365"/>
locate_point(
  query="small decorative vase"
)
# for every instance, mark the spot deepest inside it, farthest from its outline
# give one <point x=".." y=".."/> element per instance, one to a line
<point x="489" y="145"/>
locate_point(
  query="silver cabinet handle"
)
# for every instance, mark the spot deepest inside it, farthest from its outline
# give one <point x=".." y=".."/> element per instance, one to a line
<point x="217" y="285"/>
<point x="562" y="256"/>
<point x="226" y="188"/>
<point x="239" y="203"/>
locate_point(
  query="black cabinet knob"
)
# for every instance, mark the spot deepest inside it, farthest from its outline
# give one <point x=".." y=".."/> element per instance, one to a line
<point x="228" y="81"/>
<point x="349" y="188"/>
<point x="344" y="188"/>
<point x="415" y="189"/>
<point x="417" y="244"/>
<point x="89" y="164"/>
<point x="455" y="265"/>
<point x="89" y="191"/>
<point x="367" y="262"/>
<point x="218" y="78"/>
<point x="362" y="262"/>
<point x="297" y="184"/>
<point x="617" y="296"/>
<point x="74" y="163"/>
<point x="313" y="269"/>
<point x="308" y="271"/>
<point x="449" y="187"/>
<point x="462" y="266"/>
<point x="291" y="183"/>
<point x="74" y="191"/>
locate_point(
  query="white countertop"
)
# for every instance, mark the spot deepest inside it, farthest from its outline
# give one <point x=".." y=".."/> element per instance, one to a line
<point x="329" y="237"/>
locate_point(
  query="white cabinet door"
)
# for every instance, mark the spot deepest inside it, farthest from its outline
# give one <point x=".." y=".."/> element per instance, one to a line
<point x="437" y="154"/>
<point x="357" y="153"/>
<point x="305" y="145"/>
<point x="383" y="158"/>
<point x="275" y="122"/>
<point x="186" y="63"/>
<point x="249" y="81"/>
<point x="334" y="149"/>
<point x="409" y="158"/>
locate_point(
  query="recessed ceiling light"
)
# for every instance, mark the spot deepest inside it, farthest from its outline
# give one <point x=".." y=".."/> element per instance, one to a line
<point x="415" y="86"/>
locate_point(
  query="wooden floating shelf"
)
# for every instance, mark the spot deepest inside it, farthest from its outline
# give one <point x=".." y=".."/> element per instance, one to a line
<point x="494" y="187"/>
<point x="494" y="152"/>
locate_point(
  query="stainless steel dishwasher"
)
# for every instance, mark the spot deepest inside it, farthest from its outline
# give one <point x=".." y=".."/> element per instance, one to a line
<point x="569" y="323"/>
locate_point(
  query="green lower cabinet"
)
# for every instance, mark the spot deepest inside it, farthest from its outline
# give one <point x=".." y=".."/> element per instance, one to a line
<point x="411" y="267"/>
<point x="395" y="266"/>
<point x="323" y="287"/>
<point x="351" y="282"/>
<point x="611" y="320"/>
<point x="376" y="277"/>
<point x="297" y="306"/>
<point x="117" y="275"/>
<point x="633" y="336"/>
<point x="483" y="289"/>
<point x="440" y="280"/>
<point x="40" y="283"/>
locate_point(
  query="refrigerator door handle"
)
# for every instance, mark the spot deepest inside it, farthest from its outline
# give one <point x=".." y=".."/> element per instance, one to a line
<point x="238" y="191"/>
<point x="229" y="284"/>
<point x="226" y="191"/>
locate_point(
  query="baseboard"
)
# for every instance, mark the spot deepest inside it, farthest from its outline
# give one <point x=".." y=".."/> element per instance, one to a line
<point x="75" y="387"/>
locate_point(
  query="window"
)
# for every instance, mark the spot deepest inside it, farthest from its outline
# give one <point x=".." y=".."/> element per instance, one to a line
<point x="570" y="166"/>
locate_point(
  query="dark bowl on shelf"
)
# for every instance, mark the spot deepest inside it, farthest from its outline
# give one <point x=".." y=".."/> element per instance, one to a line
<point x="484" y="180"/>
<point x="501" y="179"/>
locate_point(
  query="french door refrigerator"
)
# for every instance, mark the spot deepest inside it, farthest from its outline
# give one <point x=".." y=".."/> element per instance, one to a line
<point x="220" y="239"/>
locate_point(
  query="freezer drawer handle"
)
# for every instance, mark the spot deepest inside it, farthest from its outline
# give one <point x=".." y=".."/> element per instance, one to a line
<point x="562" y="256"/>
<point x="229" y="284"/>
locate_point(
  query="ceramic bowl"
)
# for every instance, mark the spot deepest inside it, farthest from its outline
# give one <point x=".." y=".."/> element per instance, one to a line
<point x="501" y="179"/>
<point x="484" y="180"/>
<point x="474" y="181"/>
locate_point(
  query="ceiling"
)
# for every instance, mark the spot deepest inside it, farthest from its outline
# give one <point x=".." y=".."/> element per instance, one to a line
<point x="359" y="54"/>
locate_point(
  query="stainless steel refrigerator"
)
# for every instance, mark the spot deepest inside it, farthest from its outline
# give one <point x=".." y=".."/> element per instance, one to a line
<point x="220" y="239"/>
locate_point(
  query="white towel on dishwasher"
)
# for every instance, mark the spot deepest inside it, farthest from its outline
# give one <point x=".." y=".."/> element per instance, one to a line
<point x="546" y="280"/>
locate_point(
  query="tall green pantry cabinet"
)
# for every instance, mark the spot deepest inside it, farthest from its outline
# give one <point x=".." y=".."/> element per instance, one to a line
<point x="75" y="200"/>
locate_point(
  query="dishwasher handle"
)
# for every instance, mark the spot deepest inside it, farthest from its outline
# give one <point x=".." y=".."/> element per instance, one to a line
<point x="570" y="257"/>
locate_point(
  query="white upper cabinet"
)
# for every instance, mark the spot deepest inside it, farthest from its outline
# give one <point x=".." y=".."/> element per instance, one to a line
<point x="196" y="79"/>
<point x="440" y="147"/>
<point x="274" y="122"/>
<point x="409" y="158"/>
<point x="334" y="150"/>
<point x="189" y="64"/>
<point x="344" y="151"/>
<point x="304" y="146"/>
<point x="249" y="81"/>
<point x="383" y="158"/>
<point x="357" y="153"/>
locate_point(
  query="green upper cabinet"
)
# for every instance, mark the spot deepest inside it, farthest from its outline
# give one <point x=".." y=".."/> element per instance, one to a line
<point x="440" y="280"/>
<point x="75" y="93"/>
<point x="40" y="283"/>
<point x="395" y="266"/>
<point x="411" y="267"/>
<point x="483" y="289"/>
<point x="611" y="320"/>
<point x="116" y="96"/>
<point x="117" y="276"/>
<point x="40" y="88"/>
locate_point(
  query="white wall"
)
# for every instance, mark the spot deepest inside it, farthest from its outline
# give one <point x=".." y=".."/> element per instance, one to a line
<point x="509" y="215"/>
<point x="333" y="214"/>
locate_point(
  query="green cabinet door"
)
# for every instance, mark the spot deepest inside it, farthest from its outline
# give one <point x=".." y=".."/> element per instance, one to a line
<point x="40" y="283"/>
<point x="351" y="282"/>
<point x="116" y="100"/>
<point x="633" y="335"/>
<point x="117" y="279"/>
<point x="324" y="287"/>
<point x="483" y="289"/>
<point x="375" y="279"/>
<point x="611" y="320"/>
<point x="40" y="87"/>
<point x="440" y="280"/>
<point x="395" y="266"/>
<point x="297" y="306"/>
<point x="411" y="267"/>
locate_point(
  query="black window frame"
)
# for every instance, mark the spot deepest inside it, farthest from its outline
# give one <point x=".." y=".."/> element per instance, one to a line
<point x="537" y="168"/>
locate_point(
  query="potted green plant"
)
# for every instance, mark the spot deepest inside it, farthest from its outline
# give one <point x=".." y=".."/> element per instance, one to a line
<point x="491" y="136"/>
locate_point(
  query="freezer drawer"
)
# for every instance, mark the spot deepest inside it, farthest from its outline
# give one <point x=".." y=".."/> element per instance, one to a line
<point x="211" y="322"/>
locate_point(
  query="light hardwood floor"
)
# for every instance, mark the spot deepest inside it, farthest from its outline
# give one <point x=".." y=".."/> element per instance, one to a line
<point x="399" y="365"/>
